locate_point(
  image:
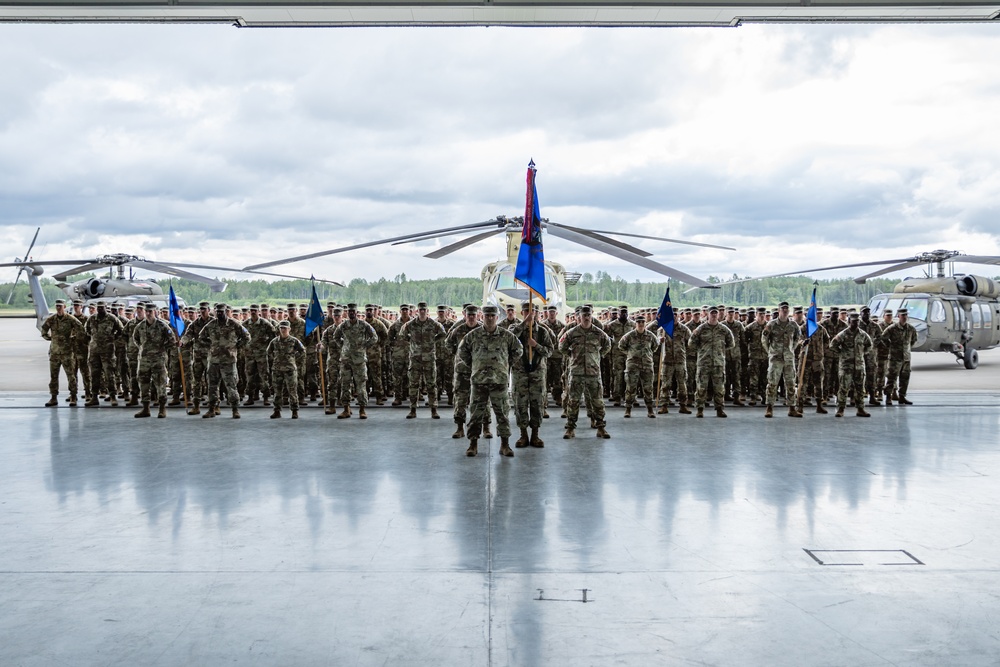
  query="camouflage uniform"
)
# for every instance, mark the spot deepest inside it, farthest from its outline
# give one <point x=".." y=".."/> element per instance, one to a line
<point x="673" y="365"/>
<point x="422" y="338"/>
<point x="375" y="354"/>
<point x="62" y="332"/>
<point x="297" y="330"/>
<point x="489" y="356"/>
<point x="445" y="362"/>
<point x="529" y="380"/>
<point x="711" y="342"/>
<point x="285" y="356"/>
<point x="639" y="349"/>
<point x="833" y="327"/>
<point x="399" y="353"/>
<point x="199" y="356"/>
<point x="154" y="341"/>
<point x="104" y="332"/>
<point x="898" y="339"/>
<point x="874" y="331"/>
<point x="262" y="332"/>
<point x="132" y="355"/>
<point x="582" y="350"/>
<point x="851" y="347"/>
<point x="815" y="372"/>
<point x="554" y="365"/>
<point x="734" y="360"/>
<point x="757" y="386"/>
<point x="779" y="339"/>
<point x="224" y="339"/>
<point x="616" y="329"/>
<point x="462" y="384"/>
<point x="354" y="338"/>
<point x="332" y="348"/>
<point x="81" y="352"/>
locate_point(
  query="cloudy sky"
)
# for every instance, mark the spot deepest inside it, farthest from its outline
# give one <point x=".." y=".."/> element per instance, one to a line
<point x="800" y="146"/>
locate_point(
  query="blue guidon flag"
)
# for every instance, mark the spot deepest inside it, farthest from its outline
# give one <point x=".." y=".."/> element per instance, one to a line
<point x="314" y="316"/>
<point x="530" y="268"/>
<point x="811" y="324"/>
<point x="665" y="315"/>
<point x="176" y="321"/>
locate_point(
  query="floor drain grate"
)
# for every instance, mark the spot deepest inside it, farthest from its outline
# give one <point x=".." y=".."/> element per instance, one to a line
<point x="584" y="597"/>
<point x="863" y="557"/>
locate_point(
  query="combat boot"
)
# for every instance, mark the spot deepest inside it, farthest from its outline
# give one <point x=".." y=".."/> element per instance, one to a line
<point x="535" y="441"/>
<point x="628" y="410"/>
<point x="793" y="412"/>
<point x="753" y="400"/>
<point x="523" y="440"/>
<point x="862" y="412"/>
<point x="649" y="411"/>
<point x="473" y="447"/>
<point x="194" y="409"/>
<point x="173" y="401"/>
<point x="618" y="402"/>
<point x="209" y="412"/>
<point x="684" y="410"/>
<point x="91" y="403"/>
<point x="434" y="412"/>
<point x="895" y="395"/>
<point x="396" y="402"/>
<point x="114" y="401"/>
<point x="247" y="403"/>
<point x="295" y="412"/>
<point x="840" y="411"/>
<point x="330" y="409"/>
<point x="701" y="413"/>
<point x="820" y="410"/>
<point x="72" y="401"/>
<point x="903" y="400"/>
<point x="267" y="401"/>
<point x="346" y="413"/>
<point x="218" y="410"/>
<point x="769" y="412"/>
<point x="276" y="414"/>
<point x="412" y="414"/>
<point x="888" y="401"/>
<point x="144" y="412"/>
<point x="738" y="400"/>
<point x="380" y="400"/>
<point x="719" y="412"/>
<point x="361" y="412"/>
<point x="602" y="433"/>
<point x="663" y="410"/>
<point x="505" y="449"/>
<point x="133" y="401"/>
<point x="487" y="433"/>
<point x="459" y="431"/>
<point x="873" y="399"/>
<point x="569" y="434"/>
<point x="236" y="412"/>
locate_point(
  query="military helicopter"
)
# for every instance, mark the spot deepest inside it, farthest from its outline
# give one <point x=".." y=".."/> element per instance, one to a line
<point x="115" y="287"/>
<point x="499" y="286"/>
<point x="952" y="312"/>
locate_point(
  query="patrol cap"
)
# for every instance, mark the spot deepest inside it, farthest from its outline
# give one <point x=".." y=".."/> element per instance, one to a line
<point x="130" y="309"/>
<point x="352" y="306"/>
<point x="148" y="305"/>
<point x="854" y="316"/>
<point x="77" y="302"/>
<point x="783" y="304"/>
<point x="263" y="306"/>
<point x="640" y="318"/>
<point x="331" y="304"/>
<point x="254" y="306"/>
<point x="442" y="307"/>
<point x="525" y="306"/>
<point x="887" y="311"/>
<point x="798" y="309"/>
<point x="472" y="309"/>
<point x="730" y="309"/>
<point x="141" y="306"/>
<point x="864" y="308"/>
<point x="404" y="306"/>
<point x="284" y="324"/>
<point x="291" y="306"/>
<point x="338" y="310"/>
<point x="370" y="306"/>
<point x="60" y="302"/>
<point x="421" y="305"/>
<point x="761" y="310"/>
<point x="552" y="309"/>
<point x="713" y="309"/>
<point x="834" y="309"/>
<point x="489" y="310"/>
<point x="901" y="311"/>
<point x="220" y="306"/>
<point x="586" y="310"/>
<point x="624" y="306"/>
<point x="204" y="304"/>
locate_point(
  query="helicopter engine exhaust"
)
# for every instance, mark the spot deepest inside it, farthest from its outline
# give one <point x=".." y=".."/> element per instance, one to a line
<point x="978" y="286"/>
<point x="94" y="288"/>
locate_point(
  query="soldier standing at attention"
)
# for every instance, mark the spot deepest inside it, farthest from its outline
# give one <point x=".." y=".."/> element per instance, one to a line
<point x="734" y="358"/>
<point x="61" y="330"/>
<point x="882" y="352"/>
<point x="285" y="355"/>
<point x="104" y="331"/>
<point x="711" y="340"/>
<point x="780" y="336"/>
<point x="445" y="361"/>
<point x="375" y="353"/>
<point x="639" y="346"/>
<point x="462" y="382"/>
<point x="898" y="339"/>
<point x="422" y="335"/>
<point x="225" y="336"/>
<point x="132" y="355"/>
<point x="354" y="337"/>
<point x="81" y="347"/>
<point x="851" y="346"/>
<point x="582" y="348"/>
<point x="298" y="332"/>
<point x="554" y="364"/>
<point x="874" y="331"/>
<point x="399" y="350"/>
<point x="261" y="331"/>
<point x="834" y="325"/>
<point x="530" y="375"/>
<point x="489" y="352"/>
<point x="673" y="367"/>
<point x="817" y="347"/>
<point x="154" y="338"/>
<point x="757" y="366"/>
<point x="616" y="329"/>
<point x="199" y="355"/>
<point x="332" y="349"/>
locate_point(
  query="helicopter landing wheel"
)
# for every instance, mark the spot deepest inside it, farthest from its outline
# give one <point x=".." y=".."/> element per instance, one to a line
<point x="971" y="358"/>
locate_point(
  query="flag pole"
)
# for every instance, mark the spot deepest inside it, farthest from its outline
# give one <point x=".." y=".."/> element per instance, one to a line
<point x="180" y="359"/>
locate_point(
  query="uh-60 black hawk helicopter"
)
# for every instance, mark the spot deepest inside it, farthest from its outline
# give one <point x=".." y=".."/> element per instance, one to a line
<point x="115" y="287"/>
<point x="952" y="312"/>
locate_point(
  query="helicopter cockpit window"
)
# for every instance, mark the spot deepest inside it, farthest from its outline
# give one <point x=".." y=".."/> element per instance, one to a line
<point x="916" y="309"/>
<point x="877" y="305"/>
<point x="987" y="317"/>
<point x="937" y="312"/>
<point x="977" y="317"/>
<point x="894" y="305"/>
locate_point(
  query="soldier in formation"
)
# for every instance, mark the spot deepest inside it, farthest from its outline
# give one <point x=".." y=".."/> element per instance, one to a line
<point x="639" y="346"/>
<point x="529" y="375"/>
<point x="582" y="347"/>
<point x="285" y="356"/>
<point x="154" y="338"/>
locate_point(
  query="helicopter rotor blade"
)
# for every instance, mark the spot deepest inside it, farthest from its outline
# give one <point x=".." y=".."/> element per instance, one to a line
<point x="21" y="269"/>
<point x="215" y="285"/>
<point x="322" y="253"/>
<point x="63" y="275"/>
<point x="262" y="273"/>
<point x="604" y="239"/>
<point x="889" y="269"/>
<point x="458" y="245"/>
<point x="978" y="259"/>
<point x="610" y="249"/>
<point x="662" y="238"/>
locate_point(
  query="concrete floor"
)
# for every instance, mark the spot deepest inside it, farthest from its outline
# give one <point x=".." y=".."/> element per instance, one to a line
<point x="679" y="541"/>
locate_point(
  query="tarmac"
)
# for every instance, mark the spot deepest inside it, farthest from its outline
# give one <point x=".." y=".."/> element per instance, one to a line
<point x="680" y="541"/>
